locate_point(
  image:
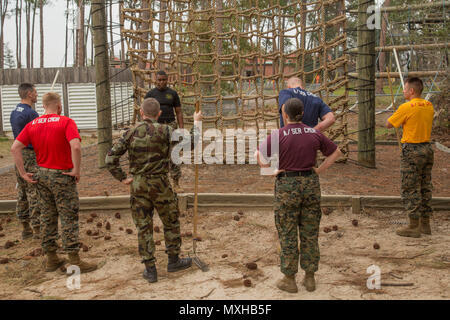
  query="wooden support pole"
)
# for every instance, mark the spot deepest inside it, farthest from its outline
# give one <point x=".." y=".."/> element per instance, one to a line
<point x="365" y="64"/>
<point x="103" y="90"/>
<point x="430" y="46"/>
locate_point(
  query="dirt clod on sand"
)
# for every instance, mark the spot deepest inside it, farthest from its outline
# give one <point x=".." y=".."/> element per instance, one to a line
<point x="85" y="248"/>
<point x="326" y="229"/>
<point x="9" y="244"/>
<point x="376" y="246"/>
<point x="8" y="220"/>
<point x="224" y="256"/>
<point x="4" y="260"/>
<point x="251" y="266"/>
<point x="89" y="220"/>
<point x="121" y="228"/>
<point x="107" y="237"/>
<point x="94" y="215"/>
<point x="2" y="235"/>
<point x="108" y="226"/>
<point x="327" y="211"/>
<point x="129" y="231"/>
<point x="117" y="215"/>
<point x="1" y="228"/>
<point x="158" y="243"/>
<point x="247" y="283"/>
<point x="237" y="218"/>
<point x="335" y="228"/>
<point x="99" y="224"/>
<point x="355" y="222"/>
<point x="240" y="212"/>
<point x="156" y="229"/>
<point x="89" y="232"/>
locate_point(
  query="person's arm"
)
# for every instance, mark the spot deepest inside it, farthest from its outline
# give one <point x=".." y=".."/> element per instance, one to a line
<point x="112" y="160"/>
<point x="75" y="150"/>
<point x="388" y="124"/>
<point x="328" y="161"/>
<point x="179" y="115"/>
<point x="327" y="121"/>
<point x="16" y="150"/>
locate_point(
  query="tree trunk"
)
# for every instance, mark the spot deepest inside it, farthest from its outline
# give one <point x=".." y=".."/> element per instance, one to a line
<point x="80" y="33"/>
<point x="19" y="33"/>
<point x="103" y="89"/>
<point x="3" y="10"/>
<point x="41" y="27"/>
<point x="67" y="31"/>
<point x="382" y="58"/>
<point x="111" y="29"/>
<point x="161" y="30"/>
<point x="32" y="36"/>
<point x="366" y="87"/>
<point x="122" y="44"/>
<point x="27" y="17"/>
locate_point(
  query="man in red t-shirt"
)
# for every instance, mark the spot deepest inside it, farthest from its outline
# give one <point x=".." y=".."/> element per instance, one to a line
<point x="56" y="141"/>
<point x="297" y="192"/>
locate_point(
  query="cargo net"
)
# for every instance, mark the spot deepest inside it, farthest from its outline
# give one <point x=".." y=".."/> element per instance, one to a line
<point x="233" y="57"/>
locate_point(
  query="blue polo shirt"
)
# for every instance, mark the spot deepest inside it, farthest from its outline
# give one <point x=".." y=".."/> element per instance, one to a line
<point x="314" y="107"/>
<point x="20" y="116"/>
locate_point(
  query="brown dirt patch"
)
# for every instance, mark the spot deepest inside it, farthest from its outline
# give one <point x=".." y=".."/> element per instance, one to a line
<point x="345" y="256"/>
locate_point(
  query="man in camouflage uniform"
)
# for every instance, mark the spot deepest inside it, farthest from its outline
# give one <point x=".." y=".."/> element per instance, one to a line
<point x="416" y="118"/>
<point x="171" y="114"/>
<point x="149" y="145"/>
<point x="297" y="193"/>
<point x="27" y="205"/>
<point x="56" y="140"/>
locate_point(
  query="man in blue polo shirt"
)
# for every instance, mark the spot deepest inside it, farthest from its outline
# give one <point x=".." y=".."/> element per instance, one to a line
<point x="314" y="107"/>
<point x="27" y="205"/>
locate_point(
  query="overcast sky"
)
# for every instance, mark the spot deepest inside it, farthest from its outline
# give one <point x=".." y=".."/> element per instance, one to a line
<point x="54" y="35"/>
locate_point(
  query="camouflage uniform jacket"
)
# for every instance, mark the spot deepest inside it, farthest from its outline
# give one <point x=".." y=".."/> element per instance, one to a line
<point x="148" y="144"/>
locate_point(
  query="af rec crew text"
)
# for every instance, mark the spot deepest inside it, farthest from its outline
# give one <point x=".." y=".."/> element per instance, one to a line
<point x="232" y="309"/>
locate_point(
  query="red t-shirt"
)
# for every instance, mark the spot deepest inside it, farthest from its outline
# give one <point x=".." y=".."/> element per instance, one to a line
<point x="298" y="145"/>
<point x="50" y="135"/>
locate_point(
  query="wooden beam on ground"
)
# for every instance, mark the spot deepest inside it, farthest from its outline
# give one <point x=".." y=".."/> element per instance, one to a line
<point x="239" y="200"/>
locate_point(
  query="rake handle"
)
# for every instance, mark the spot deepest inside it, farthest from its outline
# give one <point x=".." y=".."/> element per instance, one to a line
<point x="197" y="108"/>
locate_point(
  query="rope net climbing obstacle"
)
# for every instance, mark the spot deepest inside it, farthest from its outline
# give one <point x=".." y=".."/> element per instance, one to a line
<point x="233" y="57"/>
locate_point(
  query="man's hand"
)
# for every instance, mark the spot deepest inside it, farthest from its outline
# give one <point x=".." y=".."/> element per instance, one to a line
<point x="73" y="173"/>
<point x="127" y="181"/>
<point x="198" y="116"/>
<point x="28" y="177"/>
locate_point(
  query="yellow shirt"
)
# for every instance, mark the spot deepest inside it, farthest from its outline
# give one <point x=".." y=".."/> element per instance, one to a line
<point x="416" y="117"/>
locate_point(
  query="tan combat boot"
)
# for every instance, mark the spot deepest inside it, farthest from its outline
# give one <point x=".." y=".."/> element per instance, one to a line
<point x="288" y="284"/>
<point x="53" y="262"/>
<point x="410" y="231"/>
<point x="425" y="225"/>
<point x="176" y="186"/>
<point x="27" y="231"/>
<point x="36" y="232"/>
<point x="85" y="267"/>
<point x="309" y="282"/>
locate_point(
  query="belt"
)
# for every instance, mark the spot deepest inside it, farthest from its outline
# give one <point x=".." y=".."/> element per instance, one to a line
<point x="295" y="173"/>
<point x="54" y="170"/>
<point x="415" y="144"/>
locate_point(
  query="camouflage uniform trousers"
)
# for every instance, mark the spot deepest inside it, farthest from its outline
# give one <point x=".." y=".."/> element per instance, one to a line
<point x="58" y="196"/>
<point x="174" y="169"/>
<point x="27" y="209"/>
<point x="416" y="164"/>
<point x="149" y="193"/>
<point x="297" y="211"/>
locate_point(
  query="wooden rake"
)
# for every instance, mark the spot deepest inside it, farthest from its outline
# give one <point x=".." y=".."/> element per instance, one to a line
<point x="200" y="264"/>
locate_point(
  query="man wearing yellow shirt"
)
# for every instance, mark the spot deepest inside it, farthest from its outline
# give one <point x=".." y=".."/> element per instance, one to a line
<point x="416" y="118"/>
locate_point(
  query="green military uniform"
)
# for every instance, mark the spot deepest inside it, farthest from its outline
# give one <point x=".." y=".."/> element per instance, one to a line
<point x="27" y="208"/>
<point x="148" y="145"/>
<point x="174" y="169"/>
<point x="297" y="212"/>
<point x="58" y="196"/>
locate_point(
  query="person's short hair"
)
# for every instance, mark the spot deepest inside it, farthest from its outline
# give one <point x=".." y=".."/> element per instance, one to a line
<point x="294" y="82"/>
<point x="416" y="84"/>
<point x="161" y="73"/>
<point x="51" y="98"/>
<point x="150" y="107"/>
<point x="24" y="89"/>
<point x="294" y="109"/>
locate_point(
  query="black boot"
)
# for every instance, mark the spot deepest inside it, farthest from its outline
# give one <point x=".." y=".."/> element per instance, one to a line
<point x="177" y="264"/>
<point x="150" y="273"/>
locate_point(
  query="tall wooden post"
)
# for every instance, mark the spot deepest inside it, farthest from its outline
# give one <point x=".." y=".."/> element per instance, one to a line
<point x="365" y="65"/>
<point x="103" y="90"/>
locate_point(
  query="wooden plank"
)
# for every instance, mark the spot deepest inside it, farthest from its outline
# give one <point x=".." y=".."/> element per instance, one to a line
<point x="443" y="4"/>
<point x="409" y="74"/>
